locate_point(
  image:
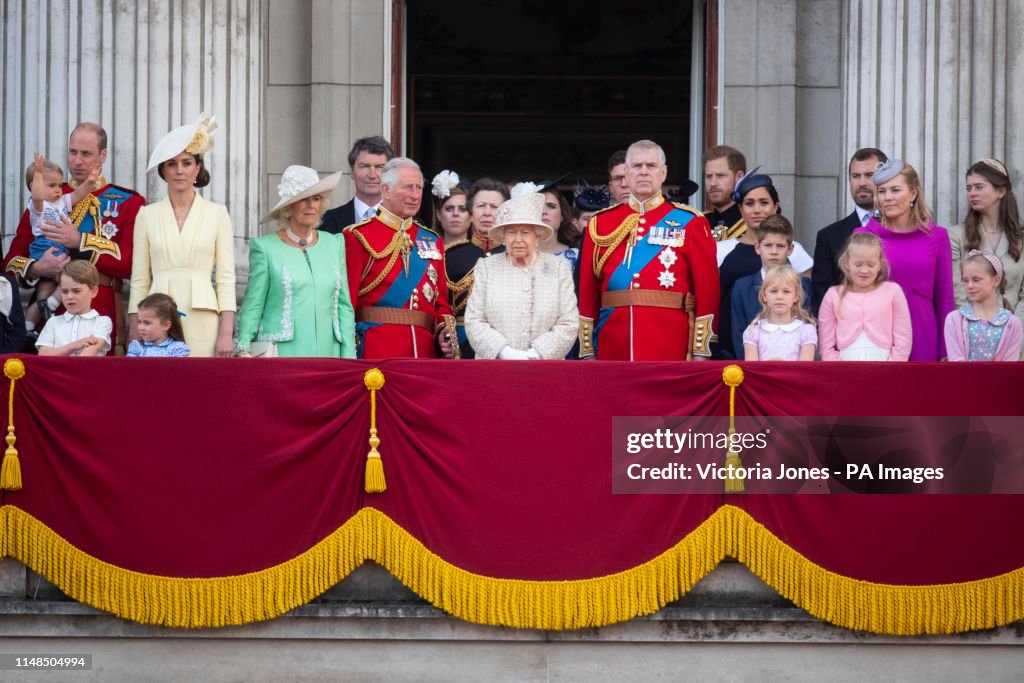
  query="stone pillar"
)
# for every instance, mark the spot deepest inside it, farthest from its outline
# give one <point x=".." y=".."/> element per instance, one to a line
<point x="782" y="102"/>
<point x="139" y="69"/>
<point x="326" y="86"/>
<point x="936" y="83"/>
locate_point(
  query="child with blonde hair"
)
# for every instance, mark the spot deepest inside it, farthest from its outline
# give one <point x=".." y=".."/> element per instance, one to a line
<point x="983" y="329"/>
<point x="867" y="317"/>
<point x="783" y="330"/>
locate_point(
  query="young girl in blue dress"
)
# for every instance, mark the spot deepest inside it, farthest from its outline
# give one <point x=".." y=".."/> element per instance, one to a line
<point x="983" y="329"/>
<point x="160" y="330"/>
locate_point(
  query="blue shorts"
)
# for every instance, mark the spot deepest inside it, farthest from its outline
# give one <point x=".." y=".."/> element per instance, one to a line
<point x="41" y="245"/>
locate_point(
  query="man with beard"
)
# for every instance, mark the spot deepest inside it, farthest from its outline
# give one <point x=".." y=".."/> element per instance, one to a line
<point x="831" y="240"/>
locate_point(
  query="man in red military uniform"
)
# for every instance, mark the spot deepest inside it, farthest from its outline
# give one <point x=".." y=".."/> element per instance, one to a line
<point x="396" y="274"/>
<point x="640" y="260"/>
<point x="101" y="230"/>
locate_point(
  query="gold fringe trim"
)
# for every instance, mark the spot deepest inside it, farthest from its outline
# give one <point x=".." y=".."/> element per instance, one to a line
<point x="874" y="607"/>
<point x="584" y="603"/>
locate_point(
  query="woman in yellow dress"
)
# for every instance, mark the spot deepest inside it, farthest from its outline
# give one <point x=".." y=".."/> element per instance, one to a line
<point x="183" y="242"/>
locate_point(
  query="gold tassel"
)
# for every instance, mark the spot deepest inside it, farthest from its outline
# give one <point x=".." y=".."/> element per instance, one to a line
<point x="732" y="375"/>
<point x="374" y="481"/>
<point x="10" y="471"/>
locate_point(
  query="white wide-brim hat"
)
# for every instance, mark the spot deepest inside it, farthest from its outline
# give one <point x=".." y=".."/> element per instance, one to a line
<point x="195" y="138"/>
<point x="524" y="209"/>
<point x="299" y="182"/>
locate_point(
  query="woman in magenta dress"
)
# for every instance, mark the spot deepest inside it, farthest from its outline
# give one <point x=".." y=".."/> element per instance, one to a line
<point x="919" y="255"/>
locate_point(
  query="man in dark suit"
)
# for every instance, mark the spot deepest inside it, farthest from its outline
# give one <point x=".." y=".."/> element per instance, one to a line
<point x="366" y="159"/>
<point x="831" y="240"/>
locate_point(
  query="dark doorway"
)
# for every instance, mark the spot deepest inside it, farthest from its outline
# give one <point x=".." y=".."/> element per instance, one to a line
<point x="531" y="90"/>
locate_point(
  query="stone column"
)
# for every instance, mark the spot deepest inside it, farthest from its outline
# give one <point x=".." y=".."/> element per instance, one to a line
<point x="782" y="101"/>
<point x="936" y="83"/>
<point x="139" y="69"/>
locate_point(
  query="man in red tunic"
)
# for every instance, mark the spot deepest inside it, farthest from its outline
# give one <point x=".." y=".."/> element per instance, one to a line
<point x="396" y="274"/>
<point x="639" y="261"/>
<point x="101" y="230"/>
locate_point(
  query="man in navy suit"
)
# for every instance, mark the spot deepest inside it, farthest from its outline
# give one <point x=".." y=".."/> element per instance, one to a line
<point x="366" y="159"/>
<point x="831" y="240"/>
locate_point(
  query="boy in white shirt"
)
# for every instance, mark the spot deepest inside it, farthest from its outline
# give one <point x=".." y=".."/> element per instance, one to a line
<point x="81" y="331"/>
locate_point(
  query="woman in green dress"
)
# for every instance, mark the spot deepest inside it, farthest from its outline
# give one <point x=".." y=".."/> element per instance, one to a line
<point x="297" y="301"/>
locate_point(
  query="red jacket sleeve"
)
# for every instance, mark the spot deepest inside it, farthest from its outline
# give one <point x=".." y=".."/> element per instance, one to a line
<point x="19" y="247"/>
<point x="702" y="259"/>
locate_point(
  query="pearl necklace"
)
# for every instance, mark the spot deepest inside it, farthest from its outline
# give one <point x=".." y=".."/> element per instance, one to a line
<point x="301" y="241"/>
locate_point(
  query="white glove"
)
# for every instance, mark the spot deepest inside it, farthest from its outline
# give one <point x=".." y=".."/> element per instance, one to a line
<point x="508" y="353"/>
<point x="533" y="354"/>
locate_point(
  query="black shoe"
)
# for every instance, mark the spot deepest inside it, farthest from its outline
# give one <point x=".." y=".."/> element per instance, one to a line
<point x="45" y="312"/>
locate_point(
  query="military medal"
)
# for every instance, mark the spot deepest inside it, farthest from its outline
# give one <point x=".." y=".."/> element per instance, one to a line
<point x="432" y="274"/>
<point x="108" y="230"/>
<point x="428" y="292"/>
<point x="106" y="210"/>
<point x="666" y="279"/>
<point x="667" y="258"/>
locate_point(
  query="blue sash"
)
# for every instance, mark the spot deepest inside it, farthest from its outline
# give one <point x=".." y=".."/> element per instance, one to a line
<point x="401" y="288"/>
<point x="643" y="253"/>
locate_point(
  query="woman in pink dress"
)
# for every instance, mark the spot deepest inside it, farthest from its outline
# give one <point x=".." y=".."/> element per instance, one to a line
<point x="918" y="253"/>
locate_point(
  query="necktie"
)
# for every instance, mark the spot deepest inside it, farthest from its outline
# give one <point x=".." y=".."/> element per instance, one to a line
<point x="369" y="213"/>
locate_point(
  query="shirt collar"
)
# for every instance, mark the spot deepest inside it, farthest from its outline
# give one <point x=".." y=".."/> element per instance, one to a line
<point x="772" y="327"/>
<point x="646" y="205"/>
<point x="863" y="215"/>
<point x="164" y="344"/>
<point x="88" y="315"/>
<point x="361" y="207"/>
<point x="998" y="320"/>
<point x="392" y="221"/>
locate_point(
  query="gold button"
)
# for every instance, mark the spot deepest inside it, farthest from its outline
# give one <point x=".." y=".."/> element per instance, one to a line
<point x="636" y="276"/>
<point x="636" y="285"/>
<point x="415" y="305"/>
<point x="643" y="221"/>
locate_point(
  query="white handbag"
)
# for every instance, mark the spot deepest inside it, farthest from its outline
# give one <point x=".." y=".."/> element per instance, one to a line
<point x="263" y="349"/>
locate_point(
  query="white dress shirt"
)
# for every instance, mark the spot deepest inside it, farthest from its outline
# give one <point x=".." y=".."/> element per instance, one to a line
<point x="61" y="330"/>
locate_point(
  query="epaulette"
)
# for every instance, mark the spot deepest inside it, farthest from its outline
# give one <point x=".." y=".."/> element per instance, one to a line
<point x="686" y="207"/>
<point x="356" y="225"/>
<point x="435" y="233"/>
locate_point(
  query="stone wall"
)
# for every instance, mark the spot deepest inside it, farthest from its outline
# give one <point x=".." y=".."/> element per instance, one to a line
<point x="325" y="85"/>
<point x="781" y="99"/>
<point x="729" y="627"/>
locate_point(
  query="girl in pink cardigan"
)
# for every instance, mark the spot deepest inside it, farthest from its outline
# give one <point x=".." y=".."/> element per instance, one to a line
<point x="866" y="317"/>
<point x="983" y="329"/>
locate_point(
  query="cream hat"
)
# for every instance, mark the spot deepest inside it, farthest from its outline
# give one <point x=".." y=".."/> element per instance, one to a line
<point x="299" y="182"/>
<point x="195" y="138"/>
<point x="524" y="209"/>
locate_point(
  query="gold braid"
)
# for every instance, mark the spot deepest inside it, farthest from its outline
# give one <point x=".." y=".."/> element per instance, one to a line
<point x="393" y="250"/>
<point x="88" y="204"/>
<point x="461" y="287"/>
<point x="611" y="241"/>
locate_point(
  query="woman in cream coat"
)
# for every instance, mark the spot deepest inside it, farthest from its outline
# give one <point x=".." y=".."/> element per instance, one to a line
<point x="182" y="240"/>
<point x="523" y="306"/>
